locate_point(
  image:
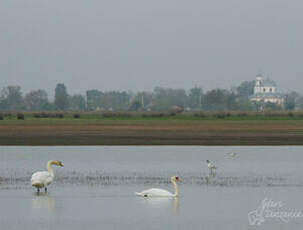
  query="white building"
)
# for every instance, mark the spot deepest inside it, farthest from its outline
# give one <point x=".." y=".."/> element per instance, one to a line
<point x="266" y="91"/>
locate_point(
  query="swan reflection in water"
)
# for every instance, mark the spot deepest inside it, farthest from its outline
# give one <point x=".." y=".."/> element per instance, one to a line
<point x="43" y="201"/>
<point x="162" y="202"/>
<point x="210" y="178"/>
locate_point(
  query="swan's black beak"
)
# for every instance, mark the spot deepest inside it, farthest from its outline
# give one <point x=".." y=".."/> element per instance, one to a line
<point x="60" y="164"/>
<point x="177" y="178"/>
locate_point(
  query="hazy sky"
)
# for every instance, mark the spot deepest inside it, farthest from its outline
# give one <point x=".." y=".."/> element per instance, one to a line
<point x="140" y="44"/>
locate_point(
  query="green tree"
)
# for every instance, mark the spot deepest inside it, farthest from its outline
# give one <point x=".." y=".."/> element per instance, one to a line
<point x="215" y="100"/>
<point x="36" y="100"/>
<point x="299" y="102"/>
<point x="61" y="97"/>
<point x="143" y="99"/>
<point x="246" y="89"/>
<point x="115" y="100"/>
<point x="230" y="100"/>
<point x="195" y="97"/>
<point x="93" y="98"/>
<point x="77" y="102"/>
<point x="272" y="107"/>
<point x="243" y="92"/>
<point x="3" y="101"/>
<point x="245" y="105"/>
<point x="11" y="98"/>
<point x="167" y="98"/>
<point x="290" y="100"/>
<point x="135" y="105"/>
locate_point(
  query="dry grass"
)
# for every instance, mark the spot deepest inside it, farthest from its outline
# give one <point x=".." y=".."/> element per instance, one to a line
<point x="152" y="132"/>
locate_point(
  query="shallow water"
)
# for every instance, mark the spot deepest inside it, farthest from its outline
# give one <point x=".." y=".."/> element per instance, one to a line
<point x="95" y="189"/>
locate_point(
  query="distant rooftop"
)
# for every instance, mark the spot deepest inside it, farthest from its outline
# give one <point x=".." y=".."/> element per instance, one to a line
<point x="266" y="95"/>
<point x="268" y="83"/>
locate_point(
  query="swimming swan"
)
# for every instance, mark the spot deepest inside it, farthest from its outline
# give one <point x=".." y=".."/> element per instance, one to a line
<point x="44" y="178"/>
<point x="157" y="192"/>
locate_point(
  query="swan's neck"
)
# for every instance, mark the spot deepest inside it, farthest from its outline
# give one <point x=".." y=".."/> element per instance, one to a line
<point x="49" y="168"/>
<point x="176" y="188"/>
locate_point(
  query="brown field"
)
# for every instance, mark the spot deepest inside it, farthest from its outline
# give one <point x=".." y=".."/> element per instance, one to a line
<point x="152" y="132"/>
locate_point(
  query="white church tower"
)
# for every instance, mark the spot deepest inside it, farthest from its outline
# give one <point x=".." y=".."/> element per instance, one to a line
<point x="266" y="91"/>
<point x="258" y="86"/>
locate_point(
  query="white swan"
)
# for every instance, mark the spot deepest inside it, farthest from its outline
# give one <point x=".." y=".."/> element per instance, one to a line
<point x="157" y="192"/>
<point x="44" y="178"/>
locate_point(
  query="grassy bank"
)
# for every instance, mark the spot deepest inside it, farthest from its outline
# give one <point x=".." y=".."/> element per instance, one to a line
<point x="139" y="129"/>
<point x="166" y="115"/>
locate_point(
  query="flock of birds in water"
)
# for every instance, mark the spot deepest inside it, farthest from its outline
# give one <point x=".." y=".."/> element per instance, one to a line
<point x="42" y="179"/>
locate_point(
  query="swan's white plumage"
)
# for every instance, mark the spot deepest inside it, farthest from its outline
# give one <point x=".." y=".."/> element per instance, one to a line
<point x="44" y="178"/>
<point x="41" y="179"/>
<point x="157" y="192"/>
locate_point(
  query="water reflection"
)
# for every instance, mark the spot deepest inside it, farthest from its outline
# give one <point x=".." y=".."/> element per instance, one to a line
<point x="210" y="177"/>
<point x="176" y="205"/>
<point x="103" y="199"/>
<point x="43" y="201"/>
<point x="163" y="202"/>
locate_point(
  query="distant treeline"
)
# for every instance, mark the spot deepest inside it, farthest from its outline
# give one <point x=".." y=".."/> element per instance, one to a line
<point x="130" y="115"/>
<point x="160" y="99"/>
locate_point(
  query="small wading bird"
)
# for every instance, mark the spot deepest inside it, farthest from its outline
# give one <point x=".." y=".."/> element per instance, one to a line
<point x="157" y="192"/>
<point x="210" y="166"/>
<point x="44" y="178"/>
<point x="232" y="155"/>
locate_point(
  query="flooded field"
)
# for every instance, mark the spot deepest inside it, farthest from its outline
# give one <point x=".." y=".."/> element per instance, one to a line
<point x="258" y="188"/>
